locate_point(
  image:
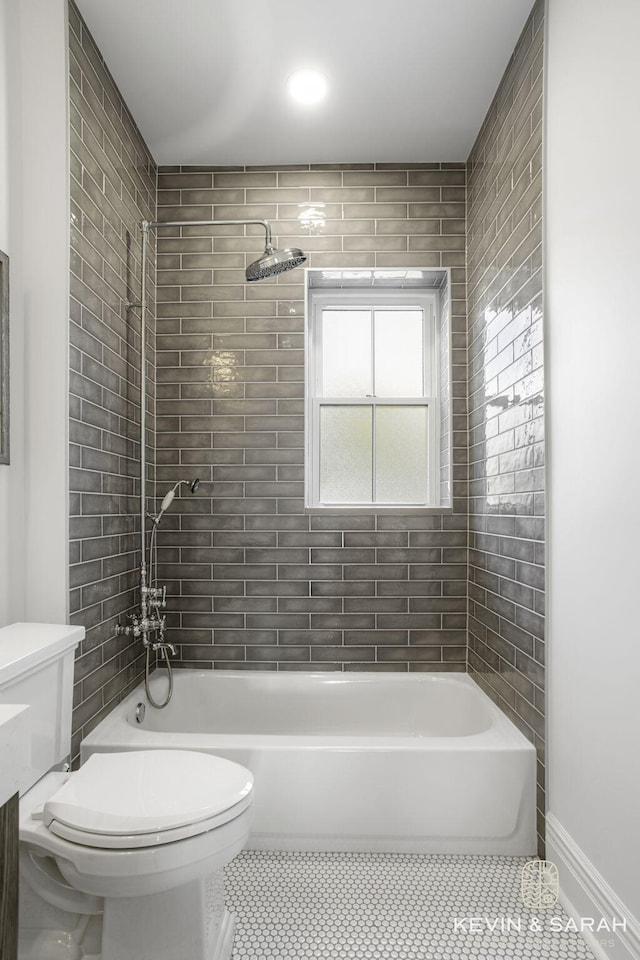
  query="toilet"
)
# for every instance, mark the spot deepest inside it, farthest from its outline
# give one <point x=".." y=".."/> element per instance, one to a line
<point x="122" y="859"/>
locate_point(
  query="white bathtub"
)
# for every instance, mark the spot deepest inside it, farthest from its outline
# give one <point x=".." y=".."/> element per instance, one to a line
<point x="418" y="763"/>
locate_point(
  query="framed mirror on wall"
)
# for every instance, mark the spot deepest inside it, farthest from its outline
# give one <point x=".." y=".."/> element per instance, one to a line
<point x="4" y="358"/>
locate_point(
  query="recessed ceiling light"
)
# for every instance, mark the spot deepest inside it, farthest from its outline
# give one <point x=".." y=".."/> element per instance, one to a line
<point x="307" y="86"/>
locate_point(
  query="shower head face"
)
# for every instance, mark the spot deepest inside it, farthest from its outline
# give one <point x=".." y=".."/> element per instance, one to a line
<point x="272" y="262"/>
<point x="193" y="486"/>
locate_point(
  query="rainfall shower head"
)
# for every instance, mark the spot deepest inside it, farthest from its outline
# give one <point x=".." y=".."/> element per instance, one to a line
<point x="273" y="262"/>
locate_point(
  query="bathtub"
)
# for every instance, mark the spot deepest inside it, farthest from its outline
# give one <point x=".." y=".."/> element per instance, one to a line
<point x="413" y="763"/>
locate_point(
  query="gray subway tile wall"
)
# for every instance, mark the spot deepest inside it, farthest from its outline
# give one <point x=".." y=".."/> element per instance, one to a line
<point x="254" y="581"/>
<point x="506" y="422"/>
<point x="113" y="184"/>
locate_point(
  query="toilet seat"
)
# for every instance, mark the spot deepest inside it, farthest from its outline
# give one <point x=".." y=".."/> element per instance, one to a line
<point x="146" y="798"/>
<point x="134" y="871"/>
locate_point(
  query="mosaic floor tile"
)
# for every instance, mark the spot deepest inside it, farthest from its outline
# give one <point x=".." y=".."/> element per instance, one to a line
<point x="369" y="906"/>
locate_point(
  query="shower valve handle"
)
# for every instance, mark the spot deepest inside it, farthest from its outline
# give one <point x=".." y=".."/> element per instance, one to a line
<point x="132" y="630"/>
<point x="142" y="627"/>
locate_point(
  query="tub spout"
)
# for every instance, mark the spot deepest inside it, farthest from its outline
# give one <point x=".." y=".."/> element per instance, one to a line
<point x="165" y="645"/>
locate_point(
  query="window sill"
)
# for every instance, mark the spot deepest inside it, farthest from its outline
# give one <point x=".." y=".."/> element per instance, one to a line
<point x="373" y="510"/>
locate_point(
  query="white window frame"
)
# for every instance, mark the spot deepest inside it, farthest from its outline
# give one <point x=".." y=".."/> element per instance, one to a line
<point x="320" y="299"/>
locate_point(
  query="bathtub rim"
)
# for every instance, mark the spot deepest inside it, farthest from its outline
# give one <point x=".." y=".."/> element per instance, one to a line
<point x="115" y="731"/>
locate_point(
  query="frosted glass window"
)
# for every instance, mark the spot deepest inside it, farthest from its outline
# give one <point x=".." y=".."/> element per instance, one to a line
<point x="346" y="454"/>
<point x="346" y="353"/>
<point x="373" y="419"/>
<point x="401" y="454"/>
<point x="399" y="353"/>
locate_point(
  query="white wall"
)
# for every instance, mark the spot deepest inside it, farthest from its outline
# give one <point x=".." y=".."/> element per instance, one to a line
<point x="12" y="551"/>
<point x="593" y="423"/>
<point x="34" y="232"/>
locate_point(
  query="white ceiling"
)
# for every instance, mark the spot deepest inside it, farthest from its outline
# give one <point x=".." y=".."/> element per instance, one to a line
<point x="409" y="80"/>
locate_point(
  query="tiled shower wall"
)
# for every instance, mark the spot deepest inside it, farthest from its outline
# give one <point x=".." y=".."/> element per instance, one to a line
<point x="113" y="182"/>
<point x="506" y="426"/>
<point x="253" y="580"/>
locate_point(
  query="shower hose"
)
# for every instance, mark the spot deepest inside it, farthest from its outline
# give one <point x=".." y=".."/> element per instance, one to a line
<point x="154" y="703"/>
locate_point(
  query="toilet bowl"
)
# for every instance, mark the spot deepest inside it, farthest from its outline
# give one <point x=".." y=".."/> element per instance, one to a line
<point x="129" y="852"/>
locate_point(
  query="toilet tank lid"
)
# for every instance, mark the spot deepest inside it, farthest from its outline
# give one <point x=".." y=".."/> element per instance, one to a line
<point x="24" y="646"/>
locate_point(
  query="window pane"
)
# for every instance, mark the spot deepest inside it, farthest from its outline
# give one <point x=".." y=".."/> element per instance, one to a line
<point x="346" y="353"/>
<point x="401" y="454"/>
<point x="346" y="454"/>
<point x="399" y="353"/>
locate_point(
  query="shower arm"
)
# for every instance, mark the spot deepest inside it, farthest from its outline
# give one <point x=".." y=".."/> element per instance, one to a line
<point x="210" y="223"/>
<point x="146" y="226"/>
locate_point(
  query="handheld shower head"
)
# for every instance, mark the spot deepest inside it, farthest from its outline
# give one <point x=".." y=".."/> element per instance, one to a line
<point x="166" y="501"/>
<point x="273" y="262"/>
<point x="169" y="497"/>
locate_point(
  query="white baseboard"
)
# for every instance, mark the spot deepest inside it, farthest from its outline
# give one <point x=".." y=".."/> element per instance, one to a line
<point x="585" y="893"/>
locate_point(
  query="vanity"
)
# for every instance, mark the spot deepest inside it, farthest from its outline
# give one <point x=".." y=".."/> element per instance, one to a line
<point x="14" y="749"/>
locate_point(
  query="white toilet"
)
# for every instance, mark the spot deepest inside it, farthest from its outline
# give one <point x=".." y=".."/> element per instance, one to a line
<point x="122" y="859"/>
